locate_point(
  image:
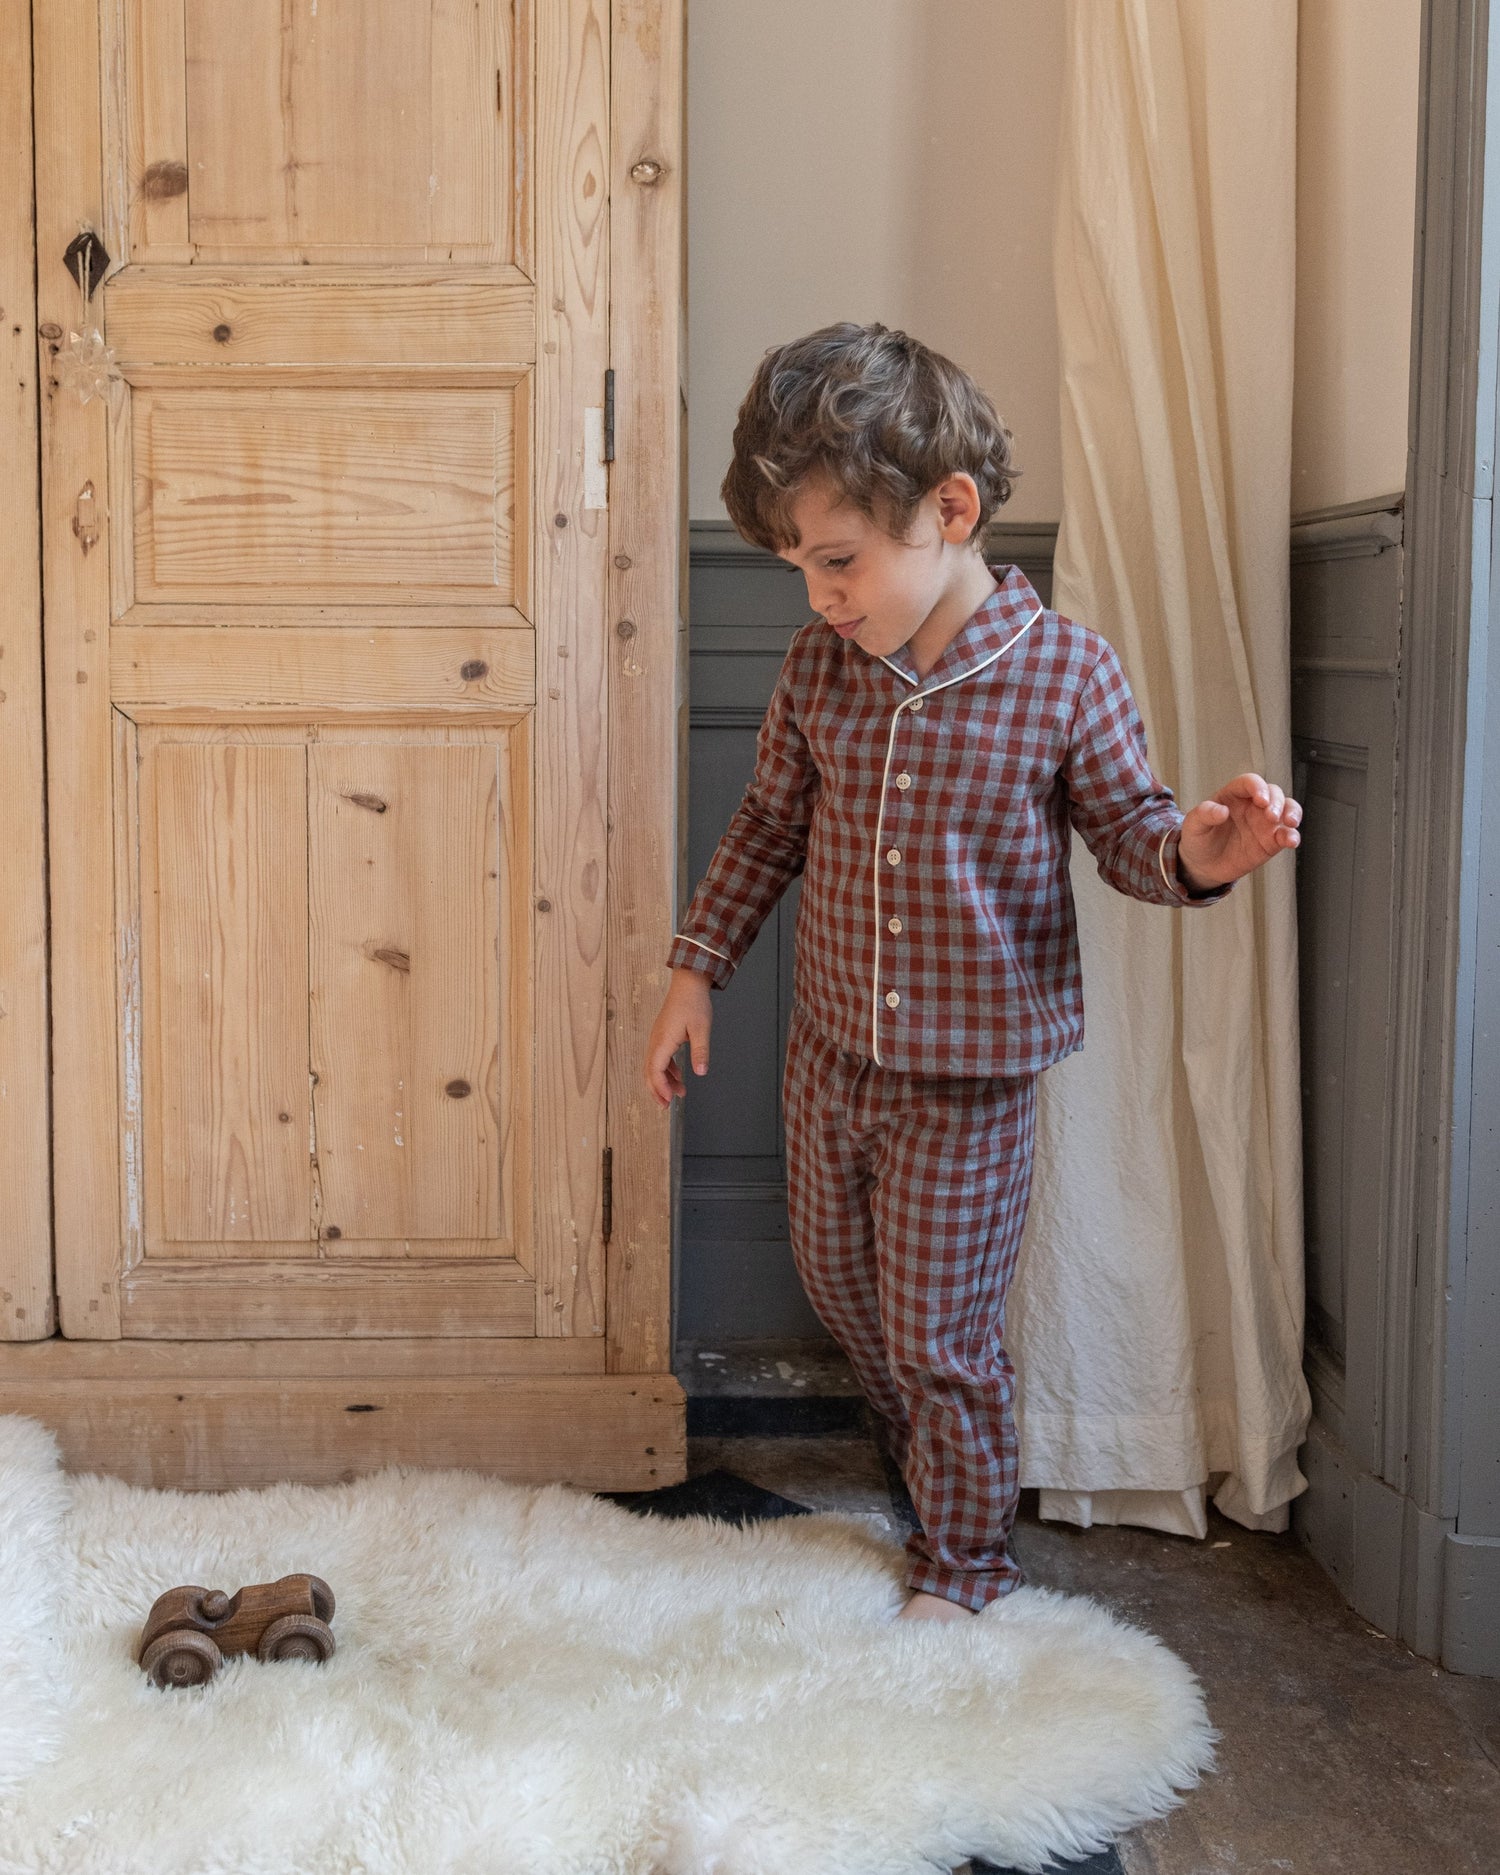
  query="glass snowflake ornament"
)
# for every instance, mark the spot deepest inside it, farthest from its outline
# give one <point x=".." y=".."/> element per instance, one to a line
<point x="85" y="365"/>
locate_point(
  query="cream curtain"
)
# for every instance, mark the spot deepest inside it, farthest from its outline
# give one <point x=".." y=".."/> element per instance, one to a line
<point x="1157" y="1318"/>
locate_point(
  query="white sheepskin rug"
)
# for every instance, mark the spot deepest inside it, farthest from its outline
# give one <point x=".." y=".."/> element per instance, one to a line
<point x="533" y="1681"/>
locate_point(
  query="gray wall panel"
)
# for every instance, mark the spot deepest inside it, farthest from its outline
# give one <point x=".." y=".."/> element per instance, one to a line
<point x="1345" y="646"/>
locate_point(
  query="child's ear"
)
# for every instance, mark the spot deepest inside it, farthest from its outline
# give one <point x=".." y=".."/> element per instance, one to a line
<point x="958" y="506"/>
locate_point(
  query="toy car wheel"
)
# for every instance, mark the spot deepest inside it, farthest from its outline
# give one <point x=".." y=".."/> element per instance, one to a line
<point x="182" y="1657"/>
<point x="296" y="1637"/>
<point x="322" y="1598"/>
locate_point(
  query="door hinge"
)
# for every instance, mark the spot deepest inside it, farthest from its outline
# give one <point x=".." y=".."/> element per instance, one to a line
<point x="609" y="415"/>
<point x="607" y="1220"/>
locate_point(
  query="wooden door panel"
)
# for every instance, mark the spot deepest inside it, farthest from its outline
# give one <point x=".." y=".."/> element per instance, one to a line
<point x="206" y="674"/>
<point x="264" y="132"/>
<point x="419" y="863"/>
<point x="331" y="995"/>
<point x="295" y="493"/>
<point x="212" y="316"/>
<point x="307" y="1301"/>
<point x="224" y="997"/>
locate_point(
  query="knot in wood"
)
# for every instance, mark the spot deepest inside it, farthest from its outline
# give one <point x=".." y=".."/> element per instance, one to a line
<point x="162" y="181"/>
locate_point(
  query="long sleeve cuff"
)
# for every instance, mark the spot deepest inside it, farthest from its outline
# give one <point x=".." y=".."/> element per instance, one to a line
<point x="1166" y="855"/>
<point x="692" y="954"/>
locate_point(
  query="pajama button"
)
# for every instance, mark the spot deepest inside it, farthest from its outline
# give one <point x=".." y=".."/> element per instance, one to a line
<point x="903" y="782"/>
<point x="895" y="925"/>
<point x="894" y="857"/>
<point x="915" y="704"/>
<point x="891" y="999"/>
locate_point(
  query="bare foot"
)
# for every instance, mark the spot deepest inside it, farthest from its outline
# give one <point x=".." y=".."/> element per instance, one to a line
<point x="925" y="1607"/>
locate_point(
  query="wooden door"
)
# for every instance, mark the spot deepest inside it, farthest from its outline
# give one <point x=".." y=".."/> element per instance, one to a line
<point x="333" y="596"/>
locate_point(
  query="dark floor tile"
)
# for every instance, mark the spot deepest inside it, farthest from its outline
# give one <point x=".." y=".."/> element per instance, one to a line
<point x="741" y="1416"/>
<point x="717" y="1494"/>
<point x="1106" y="1864"/>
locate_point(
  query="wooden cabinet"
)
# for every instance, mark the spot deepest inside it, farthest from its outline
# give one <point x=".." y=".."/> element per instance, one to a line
<point x="359" y="582"/>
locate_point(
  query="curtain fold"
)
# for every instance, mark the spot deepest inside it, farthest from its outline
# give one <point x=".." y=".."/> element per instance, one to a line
<point x="1156" y="1321"/>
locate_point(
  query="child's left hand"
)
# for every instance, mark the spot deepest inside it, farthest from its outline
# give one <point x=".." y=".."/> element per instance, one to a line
<point x="1237" y="830"/>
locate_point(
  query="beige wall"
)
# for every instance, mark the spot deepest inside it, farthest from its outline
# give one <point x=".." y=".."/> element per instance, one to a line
<point x="874" y="159"/>
<point x="895" y="160"/>
<point x="1357" y="66"/>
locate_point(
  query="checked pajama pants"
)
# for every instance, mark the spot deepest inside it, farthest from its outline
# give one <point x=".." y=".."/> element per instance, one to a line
<point x="907" y="1195"/>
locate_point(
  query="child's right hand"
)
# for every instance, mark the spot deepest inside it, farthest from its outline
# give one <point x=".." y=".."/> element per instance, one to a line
<point x="686" y="1015"/>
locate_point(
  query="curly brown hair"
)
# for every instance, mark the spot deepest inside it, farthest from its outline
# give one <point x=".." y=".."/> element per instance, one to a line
<point x="876" y="413"/>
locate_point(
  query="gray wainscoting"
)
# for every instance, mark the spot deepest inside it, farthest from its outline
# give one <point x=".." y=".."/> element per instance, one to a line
<point x="736" y="1281"/>
<point x="1346" y="629"/>
<point x="1346" y="582"/>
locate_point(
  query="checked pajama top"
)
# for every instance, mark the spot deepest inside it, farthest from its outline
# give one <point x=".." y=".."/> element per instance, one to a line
<point x="936" y="932"/>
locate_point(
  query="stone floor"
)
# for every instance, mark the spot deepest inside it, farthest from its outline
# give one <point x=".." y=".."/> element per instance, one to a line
<point x="1342" y="1753"/>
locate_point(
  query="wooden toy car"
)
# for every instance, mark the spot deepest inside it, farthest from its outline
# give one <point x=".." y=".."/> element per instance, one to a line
<point x="190" y="1630"/>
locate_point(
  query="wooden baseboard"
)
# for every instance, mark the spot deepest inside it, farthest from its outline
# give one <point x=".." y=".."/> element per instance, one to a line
<point x="197" y="1432"/>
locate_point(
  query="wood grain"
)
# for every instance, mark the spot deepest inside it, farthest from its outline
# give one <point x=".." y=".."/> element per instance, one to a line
<point x="332" y="491"/>
<point x="154" y="53"/>
<point x="100" y="1362"/>
<point x="208" y="675"/>
<point x="26" y="1306"/>
<point x="371" y="130"/>
<point x="570" y="576"/>
<point x="647" y="608"/>
<point x="87" y="1188"/>
<point x="319" y="1299"/>
<point x="604" y="1432"/>
<point x="225" y="992"/>
<point x="407" y="1027"/>
<point x="490" y="320"/>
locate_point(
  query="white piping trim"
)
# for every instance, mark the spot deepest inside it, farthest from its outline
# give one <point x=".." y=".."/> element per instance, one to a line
<point x="1184" y="897"/>
<point x="899" y="672"/>
<point x="890" y="745"/>
<point x="1161" y="861"/>
<point x="680" y="939"/>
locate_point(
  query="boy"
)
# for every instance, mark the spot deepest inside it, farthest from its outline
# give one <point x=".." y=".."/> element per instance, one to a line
<point x="933" y="736"/>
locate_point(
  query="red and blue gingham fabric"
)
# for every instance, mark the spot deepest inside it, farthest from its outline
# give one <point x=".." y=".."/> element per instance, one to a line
<point x="906" y="1195"/>
<point x="936" y="931"/>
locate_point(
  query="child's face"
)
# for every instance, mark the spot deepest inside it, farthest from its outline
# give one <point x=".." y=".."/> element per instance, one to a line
<point x="871" y="587"/>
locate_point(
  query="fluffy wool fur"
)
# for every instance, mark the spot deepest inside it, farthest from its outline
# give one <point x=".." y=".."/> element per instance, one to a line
<point x="535" y="1682"/>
